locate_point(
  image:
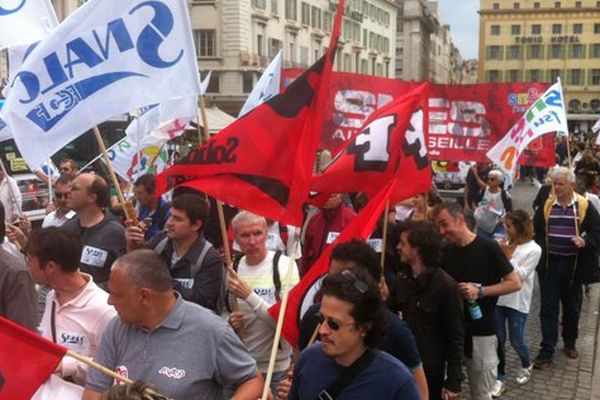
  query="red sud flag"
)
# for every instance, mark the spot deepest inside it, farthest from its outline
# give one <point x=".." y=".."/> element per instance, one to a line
<point x="26" y="360"/>
<point x="301" y="296"/>
<point x="391" y="143"/>
<point x="263" y="161"/>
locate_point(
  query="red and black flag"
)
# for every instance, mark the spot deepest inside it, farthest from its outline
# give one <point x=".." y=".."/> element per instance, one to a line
<point x="301" y="296"/>
<point x="26" y="360"/>
<point x="391" y="143"/>
<point x="263" y="161"/>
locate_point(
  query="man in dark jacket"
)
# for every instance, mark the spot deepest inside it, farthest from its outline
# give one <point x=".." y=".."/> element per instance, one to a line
<point x="567" y="228"/>
<point x="429" y="301"/>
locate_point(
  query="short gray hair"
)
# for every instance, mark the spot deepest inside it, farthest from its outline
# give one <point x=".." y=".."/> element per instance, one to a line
<point x="145" y="269"/>
<point x="558" y="172"/>
<point x="497" y="174"/>
<point x="247" y="218"/>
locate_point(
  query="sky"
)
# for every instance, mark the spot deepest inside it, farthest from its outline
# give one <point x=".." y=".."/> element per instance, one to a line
<point x="464" y="24"/>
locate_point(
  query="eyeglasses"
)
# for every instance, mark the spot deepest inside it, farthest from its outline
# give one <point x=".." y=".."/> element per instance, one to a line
<point x="334" y="326"/>
<point x="61" y="195"/>
<point x="358" y="284"/>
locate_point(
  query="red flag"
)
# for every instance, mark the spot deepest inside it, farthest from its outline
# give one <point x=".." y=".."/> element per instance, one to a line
<point x="300" y="297"/>
<point x="391" y="143"/>
<point x="26" y="360"/>
<point x="263" y="161"/>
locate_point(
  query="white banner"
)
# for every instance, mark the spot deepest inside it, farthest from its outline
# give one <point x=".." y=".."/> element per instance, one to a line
<point x="131" y="161"/>
<point x="266" y="87"/>
<point x="106" y="58"/>
<point x="546" y="115"/>
<point x="25" y="21"/>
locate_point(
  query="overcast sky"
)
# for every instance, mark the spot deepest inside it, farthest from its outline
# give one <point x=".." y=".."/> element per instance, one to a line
<point x="464" y="22"/>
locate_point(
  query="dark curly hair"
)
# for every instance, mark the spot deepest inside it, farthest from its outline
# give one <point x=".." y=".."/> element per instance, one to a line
<point x="424" y="236"/>
<point x="357" y="288"/>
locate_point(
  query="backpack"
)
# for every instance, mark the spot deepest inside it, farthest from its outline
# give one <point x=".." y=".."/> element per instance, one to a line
<point x="160" y="246"/>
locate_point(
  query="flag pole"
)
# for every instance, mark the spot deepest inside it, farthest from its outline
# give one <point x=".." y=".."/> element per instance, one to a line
<point x="569" y="159"/>
<point x="127" y="205"/>
<point x="106" y="371"/>
<point x="204" y="120"/>
<point x="281" y="316"/>
<point x="50" y="191"/>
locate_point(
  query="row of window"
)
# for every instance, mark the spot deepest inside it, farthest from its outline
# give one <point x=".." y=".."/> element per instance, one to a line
<point x="311" y="15"/>
<point x="536" y="51"/>
<point x="536" y="29"/>
<point x="575" y="77"/>
<point x="537" y="5"/>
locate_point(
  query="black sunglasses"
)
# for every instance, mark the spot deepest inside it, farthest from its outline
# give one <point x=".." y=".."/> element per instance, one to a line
<point x="334" y="326"/>
<point x="61" y="195"/>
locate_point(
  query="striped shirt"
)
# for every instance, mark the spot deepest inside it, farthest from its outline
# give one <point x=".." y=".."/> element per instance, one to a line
<point x="561" y="229"/>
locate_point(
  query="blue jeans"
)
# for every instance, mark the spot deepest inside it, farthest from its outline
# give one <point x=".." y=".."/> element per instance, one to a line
<point x="517" y="322"/>
<point x="499" y="232"/>
<point x="555" y="289"/>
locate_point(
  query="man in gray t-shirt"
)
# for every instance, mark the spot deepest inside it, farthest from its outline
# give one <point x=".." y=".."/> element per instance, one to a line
<point x="183" y="349"/>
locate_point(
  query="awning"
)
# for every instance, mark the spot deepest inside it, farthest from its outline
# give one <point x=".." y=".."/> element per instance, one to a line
<point x="217" y="119"/>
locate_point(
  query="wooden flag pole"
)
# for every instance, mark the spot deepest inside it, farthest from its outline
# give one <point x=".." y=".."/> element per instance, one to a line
<point x="106" y="371"/>
<point x="313" y="337"/>
<point x="569" y="159"/>
<point x="384" y="236"/>
<point x="284" y="300"/>
<point x="204" y="120"/>
<point x="127" y="206"/>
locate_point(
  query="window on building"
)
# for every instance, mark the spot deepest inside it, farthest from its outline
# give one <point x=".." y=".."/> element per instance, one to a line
<point x="534" y="75"/>
<point x="536" y="29"/>
<point x="364" y="66"/>
<point x="214" y="83"/>
<point x="595" y="105"/>
<point x="577" y="4"/>
<point x="495" y="30"/>
<point x="274" y="47"/>
<point x="598" y="4"/>
<point x="536" y="4"/>
<point x="553" y="75"/>
<point x="576" y="51"/>
<point x="205" y="40"/>
<point x="347" y="62"/>
<point x="596" y="28"/>
<point x="315" y="20"/>
<point x="514" y="52"/>
<point x="305" y="13"/>
<point x="574" y="77"/>
<point x="594" y="78"/>
<point x="516" y="6"/>
<point x="292" y="53"/>
<point x="556" y="29"/>
<point x="574" y="106"/>
<point x="515" y="29"/>
<point x="291" y="9"/>
<point x="260" y="45"/>
<point x="275" y="7"/>
<point x="247" y="81"/>
<point x="557" y="4"/>
<point x="556" y="51"/>
<point x="493" y="75"/>
<point x="304" y="56"/>
<point x="365" y="38"/>
<point x="261" y="4"/>
<point x="513" y="75"/>
<point x="595" y="50"/>
<point x="536" y="52"/>
<point x="327" y="21"/>
<point x="496" y="6"/>
<point x="577" y="29"/>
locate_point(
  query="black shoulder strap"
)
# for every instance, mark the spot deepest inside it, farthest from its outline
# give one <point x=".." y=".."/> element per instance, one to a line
<point x="347" y="376"/>
<point x="276" y="277"/>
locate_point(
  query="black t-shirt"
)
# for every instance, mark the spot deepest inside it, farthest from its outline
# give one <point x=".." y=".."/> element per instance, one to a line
<point x="481" y="261"/>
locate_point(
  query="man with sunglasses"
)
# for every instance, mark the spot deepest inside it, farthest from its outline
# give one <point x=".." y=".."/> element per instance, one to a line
<point x="345" y="364"/>
<point x="62" y="213"/>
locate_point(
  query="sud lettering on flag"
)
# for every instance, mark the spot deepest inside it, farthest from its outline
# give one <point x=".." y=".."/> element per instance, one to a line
<point x="106" y="58"/>
<point x="26" y="360"/>
<point x="546" y="115"/>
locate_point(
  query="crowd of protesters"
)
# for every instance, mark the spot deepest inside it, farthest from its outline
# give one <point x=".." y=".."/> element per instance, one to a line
<point x="153" y="300"/>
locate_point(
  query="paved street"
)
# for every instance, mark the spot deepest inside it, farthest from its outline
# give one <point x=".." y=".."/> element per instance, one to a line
<point x="568" y="379"/>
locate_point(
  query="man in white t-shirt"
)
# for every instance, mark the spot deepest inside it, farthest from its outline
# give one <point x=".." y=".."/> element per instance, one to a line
<point x="76" y="312"/>
<point x="256" y="286"/>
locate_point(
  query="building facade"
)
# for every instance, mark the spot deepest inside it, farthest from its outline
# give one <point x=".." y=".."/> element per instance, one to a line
<point x="236" y="39"/>
<point x="540" y="41"/>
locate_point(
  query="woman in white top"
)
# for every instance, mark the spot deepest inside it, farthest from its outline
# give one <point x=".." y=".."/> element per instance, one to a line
<point x="512" y="309"/>
<point x="494" y="203"/>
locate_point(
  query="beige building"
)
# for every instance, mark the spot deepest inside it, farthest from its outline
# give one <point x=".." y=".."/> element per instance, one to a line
<point x="236" y="39"/>
<point x="540" y="41"/>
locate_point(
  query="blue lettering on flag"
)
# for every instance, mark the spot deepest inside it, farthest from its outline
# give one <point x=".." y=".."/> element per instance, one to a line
<point x="6" y="11"/>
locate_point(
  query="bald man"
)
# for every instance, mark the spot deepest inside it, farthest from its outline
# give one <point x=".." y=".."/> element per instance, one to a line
<point x="103" y="237"/>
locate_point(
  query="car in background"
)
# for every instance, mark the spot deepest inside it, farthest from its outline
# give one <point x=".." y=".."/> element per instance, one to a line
<point x="450" y="179"/>
<point x="34" y="193"/>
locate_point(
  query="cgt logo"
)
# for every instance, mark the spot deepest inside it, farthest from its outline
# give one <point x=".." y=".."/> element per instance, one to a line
<point x="96" y="48"/>
<point x="8" y="7"/>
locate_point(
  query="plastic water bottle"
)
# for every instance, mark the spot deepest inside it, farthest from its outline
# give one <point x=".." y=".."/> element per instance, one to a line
<point x="474" y="310"/>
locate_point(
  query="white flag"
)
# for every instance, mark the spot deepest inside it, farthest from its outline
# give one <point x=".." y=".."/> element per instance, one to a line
<point x="157" y="116"/>
<point x="131" y="161"/>
<point x="266" y="87"/>
<point x="596" y="128"/>
<point x="25" y="21"/>
<point x="204" y="84"/>
<point x="546" y="115"/>
<point x="106" y="58"/>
